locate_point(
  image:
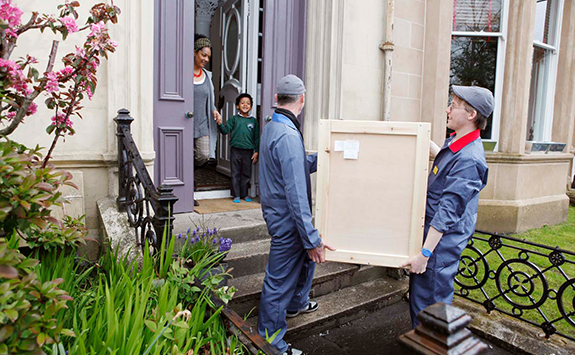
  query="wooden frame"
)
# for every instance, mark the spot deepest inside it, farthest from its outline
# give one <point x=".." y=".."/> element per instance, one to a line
<point x="372" y="209"/>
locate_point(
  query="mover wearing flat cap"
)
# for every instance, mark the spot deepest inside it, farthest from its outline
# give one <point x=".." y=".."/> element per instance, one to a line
<point x="458" y="174"/>
<point x="285" y="195"/>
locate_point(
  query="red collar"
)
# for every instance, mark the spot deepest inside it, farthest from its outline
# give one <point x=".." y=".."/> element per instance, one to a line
<point x="463" y="141"/>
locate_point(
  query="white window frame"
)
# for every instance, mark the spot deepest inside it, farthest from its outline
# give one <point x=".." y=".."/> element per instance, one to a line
<point x="546" y="132"/>
<point x="499" y="65"/>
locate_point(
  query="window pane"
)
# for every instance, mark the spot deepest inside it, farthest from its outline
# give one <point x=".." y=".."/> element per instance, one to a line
<point x="545" y="22"/>
<point x="473" y="62"/>
<point x="538" y="93"/>
<point x="477" y="15"/>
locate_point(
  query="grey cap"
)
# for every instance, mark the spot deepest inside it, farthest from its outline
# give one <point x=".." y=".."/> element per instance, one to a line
<point x="290" y="85"/>
<point x="480" y="98"/>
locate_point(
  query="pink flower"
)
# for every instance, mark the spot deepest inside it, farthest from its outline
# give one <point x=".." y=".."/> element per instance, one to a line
<point x="10" y="115"/>
<point x="31" y="60"/>
<point x="60" y="118"/>
<point x="32" y="109"/>
<point x="66" y="71"/>
<point x="70" y="24"/>
<point x="14" y="75"/>
<point x="11" y="15"/>
<point x="80" y="52"/>
<point x="52" y="82"/>
<point x="113" y="43"/>
<point x="89" y="93"/>
<point x="97" y="28"/>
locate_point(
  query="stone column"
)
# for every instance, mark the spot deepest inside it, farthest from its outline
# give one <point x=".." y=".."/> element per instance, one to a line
<point x="204" y="12"/>
<point x="324" y="65"/>
<point x="516" y="80"/>
<point x="436" y="66"/>
<point x="564" y="114"/>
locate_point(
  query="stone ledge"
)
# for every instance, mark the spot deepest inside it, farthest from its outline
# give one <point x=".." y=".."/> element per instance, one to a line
<point x="505" y="158"/>
<point x="515" y="216"/>
<point x="516" y="336"/>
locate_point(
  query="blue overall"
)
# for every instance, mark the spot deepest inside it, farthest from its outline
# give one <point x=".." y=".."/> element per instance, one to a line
<point x="459" y="173"/>
<point x="285" y="195"/>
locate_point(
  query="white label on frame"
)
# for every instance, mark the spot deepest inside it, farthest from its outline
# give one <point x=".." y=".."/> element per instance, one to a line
<point x="351" y="149"/>
<point x="338" y="146"/>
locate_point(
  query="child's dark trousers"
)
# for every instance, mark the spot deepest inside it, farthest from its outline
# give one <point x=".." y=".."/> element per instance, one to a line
<point x="241" y="161"/>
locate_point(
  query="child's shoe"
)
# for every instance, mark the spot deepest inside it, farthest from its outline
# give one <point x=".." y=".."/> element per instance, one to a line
<point x="247" y="199"/>
<point x="236" y="200"/>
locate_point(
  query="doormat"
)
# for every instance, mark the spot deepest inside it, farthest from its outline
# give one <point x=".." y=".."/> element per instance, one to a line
<point x="224" y="205"/>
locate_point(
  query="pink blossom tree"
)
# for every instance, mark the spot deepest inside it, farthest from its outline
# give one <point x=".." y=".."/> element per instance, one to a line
<point x="21" y="83"/>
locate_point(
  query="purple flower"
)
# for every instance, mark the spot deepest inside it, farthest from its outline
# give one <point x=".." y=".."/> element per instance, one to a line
<point x="225" y="244"/>
<point x="197" y="239"/>
<point x="198" y="229"/>
<point x="194" y="233"/>
<point x="215" y="230"/>
<point x="215" y="241"/>
<point x="186" y="237"/>
<point x="189" y="230"/>
<point x="180" y="236"/>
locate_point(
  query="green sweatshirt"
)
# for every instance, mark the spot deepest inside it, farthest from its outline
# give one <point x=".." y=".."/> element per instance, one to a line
<point x="245" y="132"/>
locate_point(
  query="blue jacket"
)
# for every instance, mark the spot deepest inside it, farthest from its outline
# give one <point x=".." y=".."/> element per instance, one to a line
<point x="458" y="174"/>
<point x="285" y="189"/>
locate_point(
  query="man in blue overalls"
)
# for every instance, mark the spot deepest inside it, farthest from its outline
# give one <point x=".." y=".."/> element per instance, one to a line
<point x="285" y="194"/>
<point x="459" y="173"/>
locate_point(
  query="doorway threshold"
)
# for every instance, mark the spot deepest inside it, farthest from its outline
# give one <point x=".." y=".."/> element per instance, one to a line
<point x="210" y="195"/>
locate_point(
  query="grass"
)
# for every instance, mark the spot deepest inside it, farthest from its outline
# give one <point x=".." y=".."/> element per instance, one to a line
<point x="522" y="275"/>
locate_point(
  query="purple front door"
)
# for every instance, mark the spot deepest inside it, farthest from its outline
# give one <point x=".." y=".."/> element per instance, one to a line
<point x="173" y="99"/>
<point x="284" y="33"/>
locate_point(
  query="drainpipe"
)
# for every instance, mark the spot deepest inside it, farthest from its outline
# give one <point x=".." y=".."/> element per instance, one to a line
<point x="387" y="48"/>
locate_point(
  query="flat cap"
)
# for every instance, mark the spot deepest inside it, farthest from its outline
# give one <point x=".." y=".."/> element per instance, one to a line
<point x="290" y="85"/>
<point x="480" y="98"/>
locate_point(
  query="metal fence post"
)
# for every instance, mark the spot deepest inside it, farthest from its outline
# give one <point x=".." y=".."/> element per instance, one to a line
<point x="164" y="217"/>
<point x="123" y="122"/>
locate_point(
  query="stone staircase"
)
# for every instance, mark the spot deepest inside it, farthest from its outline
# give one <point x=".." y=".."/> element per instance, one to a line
<point x="344" y="291"/>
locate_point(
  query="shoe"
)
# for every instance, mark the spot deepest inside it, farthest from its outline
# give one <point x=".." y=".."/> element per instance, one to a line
<point x="247" y="199"/>
<point x="292" y="351"/>
<point x="236" y="200"/>
<point x="196" y="203"/>
<point x="311" y="307"/>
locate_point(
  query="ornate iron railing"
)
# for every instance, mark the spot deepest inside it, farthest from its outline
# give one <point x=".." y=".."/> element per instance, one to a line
<point x="148" y="208"/>
<point x="525" y="280"/>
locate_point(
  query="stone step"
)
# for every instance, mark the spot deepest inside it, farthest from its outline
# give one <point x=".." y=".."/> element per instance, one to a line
<point x="345" y="305"/>
<point x="249" y="257"/>
<point x="329" y="277"/>
<point x="240" y="226"/>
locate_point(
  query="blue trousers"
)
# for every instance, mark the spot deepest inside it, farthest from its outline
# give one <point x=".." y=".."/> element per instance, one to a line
<point x="434" y="285"/>
<point x="287" y="285"/>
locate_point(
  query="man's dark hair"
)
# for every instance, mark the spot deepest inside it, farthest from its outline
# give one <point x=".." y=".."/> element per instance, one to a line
<point x="287" y="99"/>
<point x="241" y="96"/>
<point x="480" y="120"/>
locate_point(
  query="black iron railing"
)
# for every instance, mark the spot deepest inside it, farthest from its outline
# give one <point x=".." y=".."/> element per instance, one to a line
<point x="526" y="280"/>
<point x="148" y="208"/>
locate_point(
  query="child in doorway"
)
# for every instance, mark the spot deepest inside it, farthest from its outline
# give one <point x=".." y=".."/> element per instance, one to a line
<point x="245" y="143"/>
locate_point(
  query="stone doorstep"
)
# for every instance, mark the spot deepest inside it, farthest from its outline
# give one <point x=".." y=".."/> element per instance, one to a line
<point x="249" y="257"/>
<point x="509" y="333"/>
<point x="329" y="277"/>
<point x="240" y="226"/>
<point x="345" y="305"/>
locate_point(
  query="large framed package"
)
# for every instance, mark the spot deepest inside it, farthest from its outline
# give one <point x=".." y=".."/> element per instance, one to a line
<point x="371" y="188"/>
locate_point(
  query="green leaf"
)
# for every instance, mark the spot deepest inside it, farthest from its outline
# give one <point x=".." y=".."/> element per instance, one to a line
<point x="11" y="314"/>
<point x="41" y="339"/>
<point x="50" y="129"/>
<point x="153" y="326"/>
<point x="8" y="272"/>
<point x="68" y="332"/>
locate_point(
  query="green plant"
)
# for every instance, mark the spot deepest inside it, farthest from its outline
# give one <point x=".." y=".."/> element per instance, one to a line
<point x="203" y="241"/>
<point x="70" y="233"/>
<point x="27" y="305"/>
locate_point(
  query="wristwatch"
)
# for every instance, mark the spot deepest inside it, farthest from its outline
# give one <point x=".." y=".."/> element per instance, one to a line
<point x="426" y="252"/>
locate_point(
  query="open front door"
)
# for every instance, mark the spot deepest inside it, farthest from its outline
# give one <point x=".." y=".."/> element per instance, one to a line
<point x="238" y="56"/>
<point x="173" y="99"/>
<point x="284" y="34"/>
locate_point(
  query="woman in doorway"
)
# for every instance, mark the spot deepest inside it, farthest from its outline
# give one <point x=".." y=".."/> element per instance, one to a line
<point x="205" y="132"/>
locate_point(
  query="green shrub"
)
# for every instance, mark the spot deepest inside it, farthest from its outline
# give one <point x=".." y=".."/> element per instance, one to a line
<point x="28" y="306"/>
